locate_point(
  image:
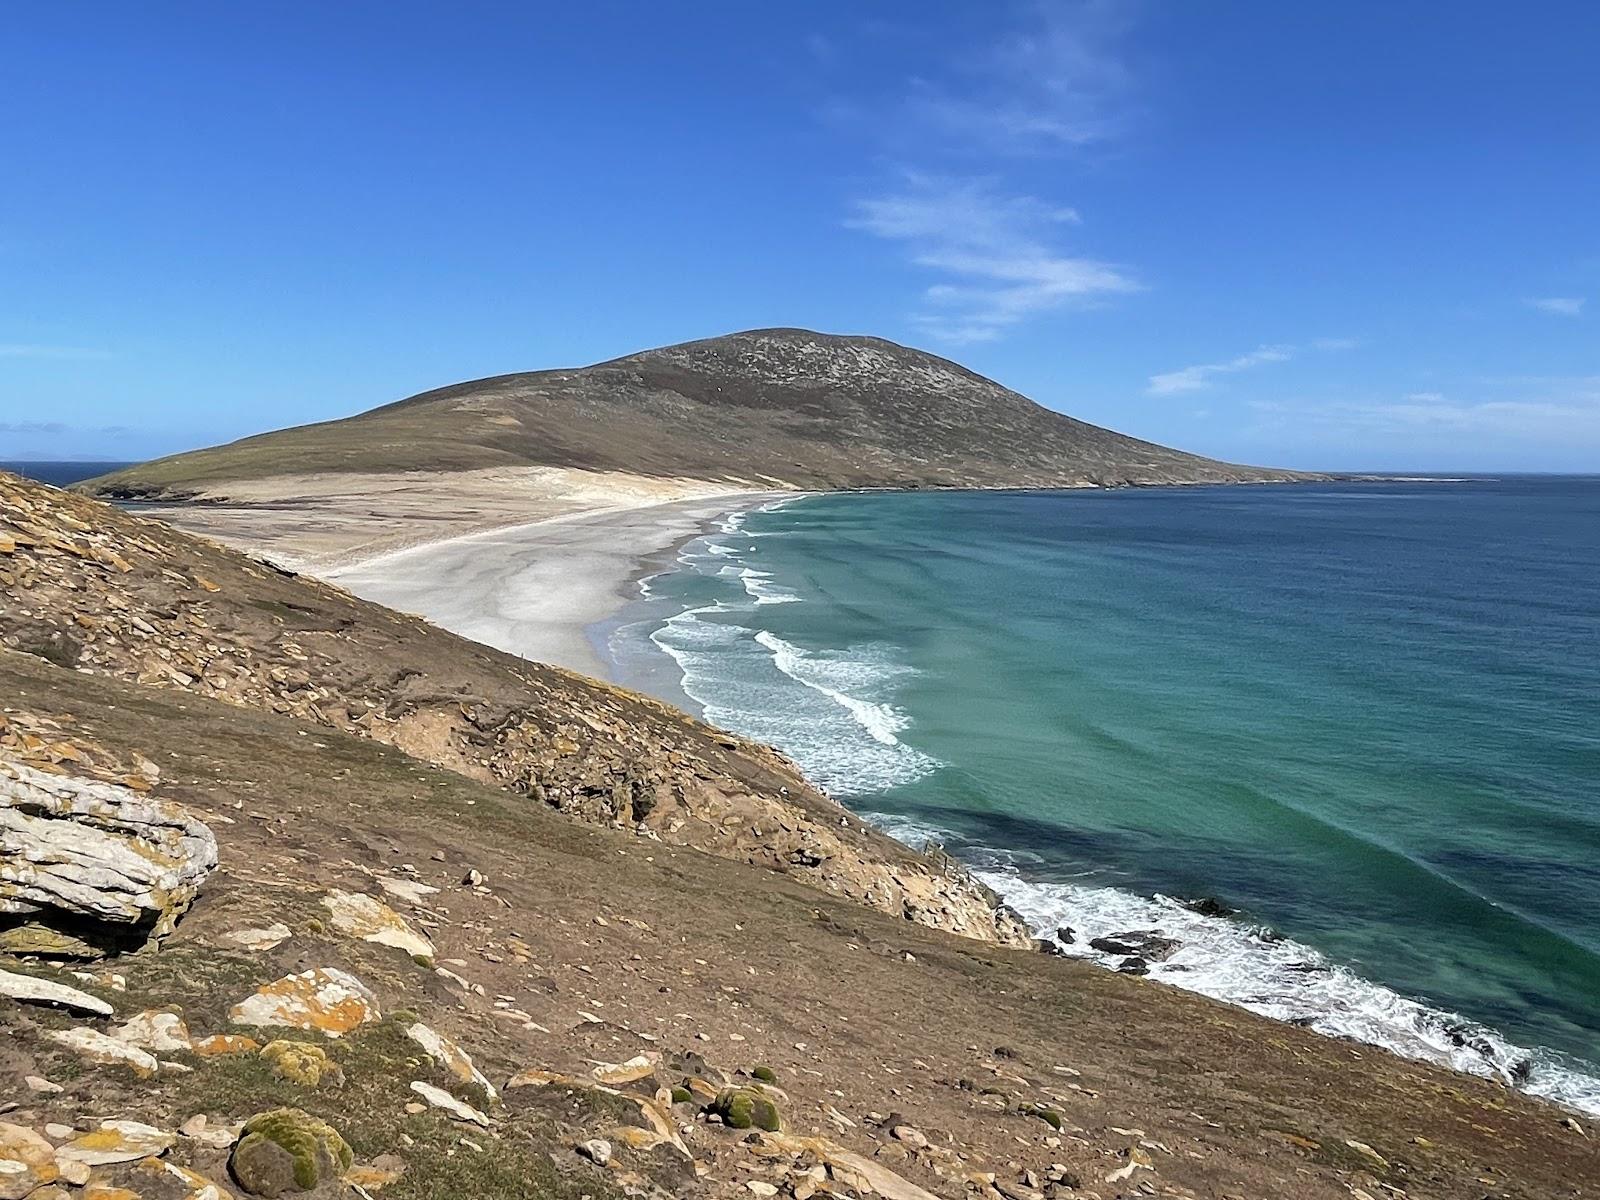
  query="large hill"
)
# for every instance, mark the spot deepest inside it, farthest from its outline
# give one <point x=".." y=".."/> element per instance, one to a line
<point x="767" y="408"/>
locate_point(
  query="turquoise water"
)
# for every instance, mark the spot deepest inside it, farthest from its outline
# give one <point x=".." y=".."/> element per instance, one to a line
<point x="1366" y="716"/>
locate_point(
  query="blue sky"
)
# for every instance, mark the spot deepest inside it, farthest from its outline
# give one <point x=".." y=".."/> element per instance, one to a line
<point x="1345" y="236"/>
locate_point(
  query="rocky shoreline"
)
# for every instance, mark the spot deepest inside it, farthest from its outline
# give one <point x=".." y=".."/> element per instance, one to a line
<point x="300" y="896"/>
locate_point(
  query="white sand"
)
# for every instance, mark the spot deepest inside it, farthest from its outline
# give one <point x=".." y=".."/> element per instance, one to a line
<point x="535" y="589"/>
<point x="324" y="523"/>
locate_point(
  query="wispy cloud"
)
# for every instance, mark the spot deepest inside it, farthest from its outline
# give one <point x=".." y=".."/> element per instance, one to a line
<point x="1056" y="82"/>
<point x="32" y="427"/>
<point x="34" y="350"/>
<point x="1558" y="306"/>
<point x="1202" y="376"/>
<point x="996" y="253"/>
<point x="1563" y="412"/>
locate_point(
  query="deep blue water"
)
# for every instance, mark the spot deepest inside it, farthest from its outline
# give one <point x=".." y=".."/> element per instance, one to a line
<point x="1368" y="716"/>
<point x="61" y="474"/>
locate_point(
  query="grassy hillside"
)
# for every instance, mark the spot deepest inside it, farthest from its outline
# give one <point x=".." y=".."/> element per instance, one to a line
<point x="772" y="408"/>
<point x="607" y="983"/>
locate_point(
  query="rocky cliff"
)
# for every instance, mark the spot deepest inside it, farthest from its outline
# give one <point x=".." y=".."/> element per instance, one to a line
<point x="101" y="591"/>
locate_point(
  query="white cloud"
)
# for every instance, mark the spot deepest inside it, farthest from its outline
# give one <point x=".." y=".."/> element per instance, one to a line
<point x="1563" y="413"/>
<point x="1202" y="376"/>
<point x="995" y="251"/>
<point x="1056" y="82"/>
<point x="1558" y="306"/>
<point x="1198" y="378"/>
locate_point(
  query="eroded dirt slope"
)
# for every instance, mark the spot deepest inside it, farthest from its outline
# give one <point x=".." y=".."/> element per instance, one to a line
<point x="98" y="590"/>
<point x="565" y="955"/>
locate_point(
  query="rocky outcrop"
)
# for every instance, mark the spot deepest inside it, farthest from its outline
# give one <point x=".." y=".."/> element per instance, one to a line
<point x="32" y="990"/>
<point x="106" y="592"/>
<point x="287" y="1150"/>
<point x="88" y="866"/>
<point x="324" y="1000"/>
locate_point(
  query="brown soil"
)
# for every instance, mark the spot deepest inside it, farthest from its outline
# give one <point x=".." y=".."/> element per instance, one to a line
<point x="674" y="951"/>
<point x="649" y="884"/>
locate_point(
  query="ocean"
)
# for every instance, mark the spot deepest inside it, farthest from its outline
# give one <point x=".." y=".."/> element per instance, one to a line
<point x="63" y="473"/>
<point x="1364" y="716"/>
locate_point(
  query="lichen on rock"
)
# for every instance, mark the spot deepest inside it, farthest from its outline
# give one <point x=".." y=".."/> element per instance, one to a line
<point x="745" y="1108"/>
<point x="326" y="999"/>
<point x="88" y="866"/>
<point x="27" y="1161"/>
<point x="288" y="1150"/>
<point x="301" y="1063"/>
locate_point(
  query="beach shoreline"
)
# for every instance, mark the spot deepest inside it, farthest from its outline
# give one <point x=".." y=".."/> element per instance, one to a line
<point x="549" y="590"/>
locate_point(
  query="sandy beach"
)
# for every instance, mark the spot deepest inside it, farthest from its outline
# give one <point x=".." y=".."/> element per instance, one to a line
<point x="536" y="589"/>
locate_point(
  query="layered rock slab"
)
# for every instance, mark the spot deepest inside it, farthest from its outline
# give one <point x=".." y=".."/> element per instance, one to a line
<point x="88" y="867"/>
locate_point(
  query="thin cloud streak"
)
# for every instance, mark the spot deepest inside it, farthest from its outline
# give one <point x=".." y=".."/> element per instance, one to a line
<point x="1569" y="414"/>
<point x="1200" y="377"/>
<point x="1558" y="306"/>
<point x="1055" y="84"/>
<point x="995" y="251"/>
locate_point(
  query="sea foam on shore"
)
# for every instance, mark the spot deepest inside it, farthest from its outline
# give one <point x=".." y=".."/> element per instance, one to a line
<point x="835" y="713"/>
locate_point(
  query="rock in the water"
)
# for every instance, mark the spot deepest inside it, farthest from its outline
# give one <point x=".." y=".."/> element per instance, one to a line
<point x="34" y="990"/>
<point x="440" y="1098"/>
<point x="1149" y="944"/>
<point x="299" y="1063"/>
<point x="452" y="1058"/>
<point x="117" y="1142"/>
<point x="374" y="921"/>
<point x="96" y="1047"/>
<point x="287" y="1150"/>
<point x="27" y="1162"/>
<point x="87" y="866"/>
<point x="155" y="1030"/>
<point x="1209" y="906"/>
<point x="325" y="999"/>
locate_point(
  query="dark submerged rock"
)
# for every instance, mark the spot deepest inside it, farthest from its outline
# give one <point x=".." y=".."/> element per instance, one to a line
<point x="1149" y="944"/>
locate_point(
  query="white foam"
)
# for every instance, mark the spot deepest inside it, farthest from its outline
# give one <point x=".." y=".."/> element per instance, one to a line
<point x="881" y="720"/>
<point x="761" y="588"/>
<point x="831" y="712"/>
<point x="1232" y="961"/>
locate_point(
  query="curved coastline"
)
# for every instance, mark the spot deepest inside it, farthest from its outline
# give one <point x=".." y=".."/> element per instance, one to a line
<point x="1227" y="959"/>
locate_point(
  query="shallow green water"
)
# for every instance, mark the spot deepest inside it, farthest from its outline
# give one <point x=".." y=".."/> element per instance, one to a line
<point x="1366" y="715"/>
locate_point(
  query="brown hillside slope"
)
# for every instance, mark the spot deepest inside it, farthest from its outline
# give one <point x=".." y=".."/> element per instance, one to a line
<point x="770" y="408"/>
<point x="101" y="591"/>
<point x="942" y="1062"/>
